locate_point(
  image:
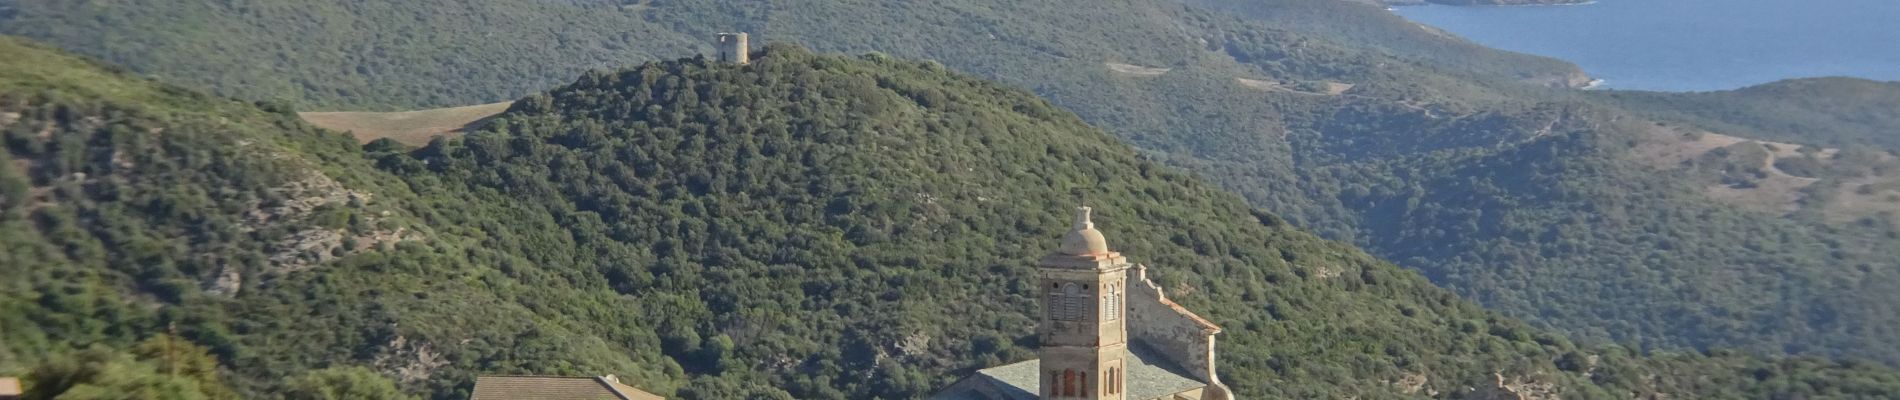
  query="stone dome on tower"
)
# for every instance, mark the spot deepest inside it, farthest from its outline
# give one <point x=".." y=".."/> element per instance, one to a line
<point x="1083" y="239"/>
<point x="1105" y="332"/>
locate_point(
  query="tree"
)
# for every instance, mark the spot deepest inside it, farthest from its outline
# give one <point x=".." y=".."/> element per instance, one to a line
<point x="101" y="373"/>
<point x="343" y="383"/>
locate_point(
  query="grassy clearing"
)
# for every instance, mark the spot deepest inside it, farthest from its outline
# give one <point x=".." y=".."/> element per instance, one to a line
<point x="414" y="128"/>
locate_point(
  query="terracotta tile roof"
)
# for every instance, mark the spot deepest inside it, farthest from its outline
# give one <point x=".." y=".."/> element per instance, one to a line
<point x="1140" y="275"/>
<point x="555" y="388"/>
<point x="631" y="393"/>
<point x="1206" y="326"/>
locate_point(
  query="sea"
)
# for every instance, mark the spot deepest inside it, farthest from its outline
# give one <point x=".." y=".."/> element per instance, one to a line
<point x="1691" y="45"/>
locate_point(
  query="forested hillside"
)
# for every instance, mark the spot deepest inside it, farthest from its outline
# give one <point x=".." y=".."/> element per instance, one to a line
<point x="1611" y="220"/>
<point x="809" y="226"/>
<point x="1356" y="24"/>
<point x="1829" y="112"/>
<point x="353" y="54"/>
<point x="131" y="209"/>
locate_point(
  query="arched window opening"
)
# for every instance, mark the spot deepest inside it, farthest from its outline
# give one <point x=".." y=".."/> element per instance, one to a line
<point x="1112" y="305"/>
<point x="1068" y="383"/>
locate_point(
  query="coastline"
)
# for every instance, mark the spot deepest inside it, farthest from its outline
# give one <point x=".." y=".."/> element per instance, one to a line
<point x="1484" y="3"/>
<point x="1666" y="46"/>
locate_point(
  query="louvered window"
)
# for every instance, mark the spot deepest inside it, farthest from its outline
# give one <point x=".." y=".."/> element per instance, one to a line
<point x="1067" y="305"/>
<point x="1055" y="305"/>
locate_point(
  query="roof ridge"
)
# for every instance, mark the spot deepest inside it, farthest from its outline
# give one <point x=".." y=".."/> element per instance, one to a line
<point x="602" y="380"/>
<point x="1009" y="364"/>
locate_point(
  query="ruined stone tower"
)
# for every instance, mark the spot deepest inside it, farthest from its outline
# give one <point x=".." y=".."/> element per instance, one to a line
<point x="1083" y="337"/>
<point x="733" y="48"/>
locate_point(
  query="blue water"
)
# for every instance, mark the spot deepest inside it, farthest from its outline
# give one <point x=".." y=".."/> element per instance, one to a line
<point x="1692" y="45"/>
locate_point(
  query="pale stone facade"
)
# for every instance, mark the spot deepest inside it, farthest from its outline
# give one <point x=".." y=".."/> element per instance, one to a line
<point x="733" y="48"/>
<point x="1106" y="332"/>
<point x="1083" y="338"/>
<point x="1176" y="333"/>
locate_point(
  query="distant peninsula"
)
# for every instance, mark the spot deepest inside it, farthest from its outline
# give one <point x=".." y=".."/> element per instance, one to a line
<point x="1483" y="2"/>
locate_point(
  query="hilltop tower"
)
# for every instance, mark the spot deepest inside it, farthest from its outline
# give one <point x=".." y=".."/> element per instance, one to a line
<point x="1083" y="338"/>
<point x="734" y="49"/>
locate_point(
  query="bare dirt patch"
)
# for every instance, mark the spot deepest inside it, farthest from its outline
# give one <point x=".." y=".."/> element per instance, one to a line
<point x="1259" y="84"/>
<point x="1866" y="197"/>
<point x="1668" y="147"/>
<point x="1672" y="147"/>
<point x="1136" y="70"/>
<point x="1325" y="88"/>
<point x="1777" y="192"/>
<point x="1337" y="88"/>
<point x="636" y="6"/>
<point x="1434" y="31"/>
<point x="414" y="128"/>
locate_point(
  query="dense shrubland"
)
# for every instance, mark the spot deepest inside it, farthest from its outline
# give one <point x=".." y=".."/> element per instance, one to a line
<point x="809" y="226"/>
<point x="1525" y="199"/>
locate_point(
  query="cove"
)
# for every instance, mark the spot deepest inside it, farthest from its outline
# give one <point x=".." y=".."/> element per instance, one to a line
<point x="1691" y="45"/>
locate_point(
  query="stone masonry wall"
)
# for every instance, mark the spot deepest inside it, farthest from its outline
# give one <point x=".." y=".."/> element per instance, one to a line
<point x="1170" y="330"/>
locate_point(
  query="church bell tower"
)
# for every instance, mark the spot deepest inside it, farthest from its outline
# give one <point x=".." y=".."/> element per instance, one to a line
<point x="1083" y="337"/>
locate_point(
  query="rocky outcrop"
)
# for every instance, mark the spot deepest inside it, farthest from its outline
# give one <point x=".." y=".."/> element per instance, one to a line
<point x="313" y="245"/>
<point x="411" y="362"/>
<point x="1515" y="388"/>
<point x="309" y="244"/>
<point x="1414" y="383"/>
<point x="1575" y="79"/>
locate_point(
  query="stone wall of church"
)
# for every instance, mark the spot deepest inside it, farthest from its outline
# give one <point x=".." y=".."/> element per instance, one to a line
<point x="1170" y="330"/>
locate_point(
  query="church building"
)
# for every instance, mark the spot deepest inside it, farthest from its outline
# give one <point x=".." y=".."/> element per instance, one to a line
<point x="1107" y="332"/>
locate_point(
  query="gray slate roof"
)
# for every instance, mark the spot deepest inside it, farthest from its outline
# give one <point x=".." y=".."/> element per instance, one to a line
<point x="1149" y="376"/>
<point x="555" y="388"/>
